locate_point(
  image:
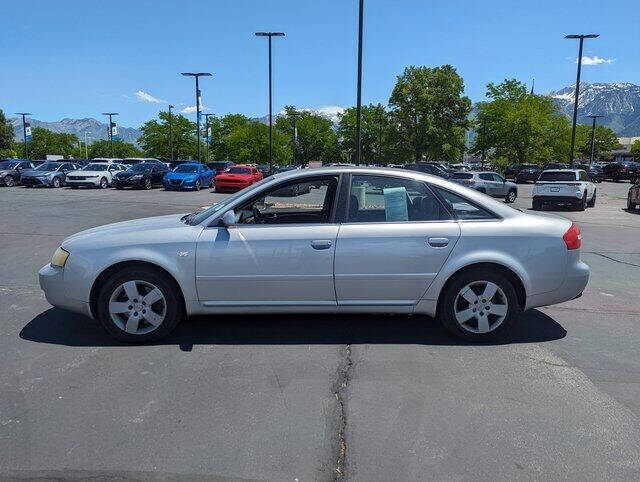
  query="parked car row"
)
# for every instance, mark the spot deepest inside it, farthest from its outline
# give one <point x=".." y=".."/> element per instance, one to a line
<point x="597" y="172"/>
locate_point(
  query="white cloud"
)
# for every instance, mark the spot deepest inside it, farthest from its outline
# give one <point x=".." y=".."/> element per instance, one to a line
<point x="145" y="97"/>
<point x="595" y="60"/>
<point x="192" y="109"/>
<point x="329" y="111"/>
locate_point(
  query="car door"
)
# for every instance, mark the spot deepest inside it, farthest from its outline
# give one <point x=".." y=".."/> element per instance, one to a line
<point x="157" y="173"/>
<point x="395" y="239"/>
<point x="488" y="183"/>
<point x="500" y="185"/>
<point x="280" y="251"/>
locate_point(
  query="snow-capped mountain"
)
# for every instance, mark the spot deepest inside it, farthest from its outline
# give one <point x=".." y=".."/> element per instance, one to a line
<point x="618" y="102"/>
<point x="95" y="129"/>
<point x="330" y="112"/>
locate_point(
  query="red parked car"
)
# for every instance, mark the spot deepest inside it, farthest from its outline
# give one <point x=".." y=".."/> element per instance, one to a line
<point x="235" y="178"/>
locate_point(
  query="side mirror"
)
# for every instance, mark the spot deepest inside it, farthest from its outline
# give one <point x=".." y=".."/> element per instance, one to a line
<point x="228" y="218"/>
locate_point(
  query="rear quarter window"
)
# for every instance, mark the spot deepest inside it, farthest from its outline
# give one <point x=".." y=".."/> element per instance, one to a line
<point x="463" y="208"/>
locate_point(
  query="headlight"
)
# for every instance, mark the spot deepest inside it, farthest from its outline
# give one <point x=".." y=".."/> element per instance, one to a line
<point x="59" y="258"/>
<point x="137" y="176"/>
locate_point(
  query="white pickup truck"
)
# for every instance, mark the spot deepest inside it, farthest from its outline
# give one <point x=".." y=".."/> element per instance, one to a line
<point x="564" y="186"/>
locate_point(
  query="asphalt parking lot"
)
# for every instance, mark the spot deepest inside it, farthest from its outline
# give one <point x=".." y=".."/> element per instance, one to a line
<point x="302" y="397"/>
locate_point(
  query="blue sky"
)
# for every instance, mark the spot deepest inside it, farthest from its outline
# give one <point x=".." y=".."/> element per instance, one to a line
<point x="81" y="58"/>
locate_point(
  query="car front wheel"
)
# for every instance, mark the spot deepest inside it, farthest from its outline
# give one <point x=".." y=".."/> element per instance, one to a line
<point x="147" y="184"/>
<point x="9" y="181"/>
<point x="104" y="183"/>
<point x="478" y="305"/>
<point x="139" y="304"/>
<point x="511" y="196"/>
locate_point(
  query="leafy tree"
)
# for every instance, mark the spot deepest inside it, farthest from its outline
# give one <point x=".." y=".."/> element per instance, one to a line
<point x="431" y="112"/>
<point x="155" y="137"/>
<point x="250" y="143"/>
<point x="221" y="127"/>
<point x="635" y="148"/>
<point x="515" y="126"/>
<point x="6" y="137"/>
<point x="121" y="149"/>
<point x="317" y="140"/>
<point x="45" y="142"/>
<point x="605" y="140"/>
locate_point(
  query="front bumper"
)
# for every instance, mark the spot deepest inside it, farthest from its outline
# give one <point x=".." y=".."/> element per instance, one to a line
<point x="231" y="186"/>
<point x="52" y="283"/>
<point x="36" y="181"/>
<point x="83" y="183"/>
<point x="177" y="184"/>
<point x="127" y="182"/>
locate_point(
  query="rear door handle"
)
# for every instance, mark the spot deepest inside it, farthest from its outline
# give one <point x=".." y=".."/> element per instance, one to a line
<point x="321" y="244"/>
<point x="438" y="242"/>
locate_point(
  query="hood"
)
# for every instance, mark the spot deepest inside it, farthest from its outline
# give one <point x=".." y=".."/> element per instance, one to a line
<point x="230" y="175"/>
<point x="127" y="174"/>
<point x="127" y="231"/>
<point x="181" y="175"/>
<point x="80" y="172"/>
<point x="34" y="173"/>
<point x="6" y="171"/>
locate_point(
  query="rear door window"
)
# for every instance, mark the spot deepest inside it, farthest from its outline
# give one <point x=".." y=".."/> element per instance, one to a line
<point x="463" y="208"/>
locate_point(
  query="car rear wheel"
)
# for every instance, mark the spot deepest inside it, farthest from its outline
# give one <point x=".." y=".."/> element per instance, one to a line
<point x="478" y="305"/>
<point x="55" y="182"/>
<point x="147" y="184"/>
<point x="537" y="205"/>
<point x="582" y="204"/>
<point x="9" y="180"/>
<point x="511" y="196"/>
<point x="592" y="202"/>
<point x="139" y="304"/>
<point x="104" y="183"/>
<point x="198" y="185"/>
<point x="630" y="205"/>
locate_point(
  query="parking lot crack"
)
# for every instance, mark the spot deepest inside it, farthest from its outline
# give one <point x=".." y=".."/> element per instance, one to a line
<point x="340" y="388"/>
<point x="616" y="260"/>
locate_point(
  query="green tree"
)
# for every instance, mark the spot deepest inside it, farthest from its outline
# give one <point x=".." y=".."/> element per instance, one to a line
<point x="431" y="112"/>
<point x="605" y="140"/>
<point x="635" y="148"/>
<point x="6" y="137"/>
<point x="515" y="126"/>
<point x="221" y="127"/>
<point x="121" y="149"/>
<point x="45" y="142"/>
<point x="317" y="140"/>
<point x="155" y="137"/>
<point x="250" y="143"/>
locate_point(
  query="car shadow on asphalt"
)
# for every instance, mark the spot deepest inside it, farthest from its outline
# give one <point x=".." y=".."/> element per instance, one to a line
<point x="60" y="327"/>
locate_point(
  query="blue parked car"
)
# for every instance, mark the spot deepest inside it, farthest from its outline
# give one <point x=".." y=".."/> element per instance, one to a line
<point x="190" y="175"/>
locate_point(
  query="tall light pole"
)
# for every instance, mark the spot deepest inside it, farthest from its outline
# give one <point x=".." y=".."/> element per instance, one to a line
<point x="171" y="131"/>
<point x="206" y="126"/>
<point x="359" y="94"/>
<point x="581" y="37"/>
<point x="197" y="75"/>
<point x="270" y="34"/>
<point x="593" y="135"/>
<point x="110" y="114"/>
<point x="24" y="131"/>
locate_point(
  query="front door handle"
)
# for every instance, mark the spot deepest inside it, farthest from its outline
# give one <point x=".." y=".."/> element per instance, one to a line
<point x="438" y="242"/>
<point x="321" y="244"/>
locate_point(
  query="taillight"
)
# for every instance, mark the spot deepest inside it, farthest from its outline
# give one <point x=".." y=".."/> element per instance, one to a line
<point x="573" y="238"/>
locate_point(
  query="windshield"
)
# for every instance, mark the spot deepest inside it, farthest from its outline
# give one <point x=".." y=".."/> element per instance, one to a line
<point x="186" y="169"/>
<point x="557" y="176"/>
<point x="461" y="175"/>
<point x="139" y="168"/>
<point x="48" y="166"/>
<point x="199" y="216"/>
<point x="96" y="167"/>
<point x="238" y="170"/>
<point x="8" y="165"/>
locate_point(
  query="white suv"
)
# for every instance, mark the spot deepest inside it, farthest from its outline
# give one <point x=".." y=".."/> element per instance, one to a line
<point x="564" y="186"/>
<point x="96" y="174"/>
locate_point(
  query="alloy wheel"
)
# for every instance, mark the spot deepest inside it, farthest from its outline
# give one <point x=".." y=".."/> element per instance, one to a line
<point x="147" y="183"/>
<point x="137" y="307"/>
<point x="480" y="307"/>
<point x="104" y="183"/>
<point x="512" y="196"/>
<point x="8" y="181"/>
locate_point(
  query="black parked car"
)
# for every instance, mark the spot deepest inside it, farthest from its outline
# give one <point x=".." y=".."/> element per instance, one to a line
<point x="11" y="171"/>
<point x="219" y="166"/>
<point x="428" y="168"/>
<point x="618" y="171"/>
<point x="143" y="175"/>
<point x="47" y="174"/>
<point x="595" y="173"/>
<point x="556" y="165"/>
<point x="132" y="161"/>
<point x="264" y="169"/>
<point x="522" y="172"/>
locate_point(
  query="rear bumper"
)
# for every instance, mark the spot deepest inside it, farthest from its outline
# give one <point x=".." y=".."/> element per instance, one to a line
<point x="575" y="281"/>
<point x="558" y="199"/>
<point x="52" y="283"/>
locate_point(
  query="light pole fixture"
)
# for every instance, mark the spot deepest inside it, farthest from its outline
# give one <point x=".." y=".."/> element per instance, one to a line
<point x="24" y="131"/>
<point x="197" y="75"/>
<point x="359" y="94"/>
<point x="593" y="134"/>
<point x="171" y="131"/>
<point x="269" y="35"/>
<point x="580" y="37"/>
<point x="206" y="126"/>
<point x="110" y="114"/>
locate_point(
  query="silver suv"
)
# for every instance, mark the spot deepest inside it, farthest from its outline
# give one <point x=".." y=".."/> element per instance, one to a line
<point x="490" y="183"/>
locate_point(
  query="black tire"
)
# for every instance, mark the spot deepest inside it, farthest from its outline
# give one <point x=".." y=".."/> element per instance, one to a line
<point x="174" y="305"/>
<point x="119" y="188"/>
<point x="147" y="184"/>
<point x="448" y="299"/>
<point x="198" y="185"/>
<point x="104" y="183"/>
<point x="517" y="180"/>
<point x="536" y="205"/>
<point x="630" y="206"/>
<point x="511" y="196"/>
<point x="9" y="181"/>
<point x="582" y="204"/>
<point x="592" y="202"/>
<point x="56" y="182"/>
<point x="615" y="177"/>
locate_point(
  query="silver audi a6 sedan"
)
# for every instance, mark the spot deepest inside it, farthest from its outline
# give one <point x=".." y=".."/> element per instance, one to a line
<point x="347" y="240"/>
